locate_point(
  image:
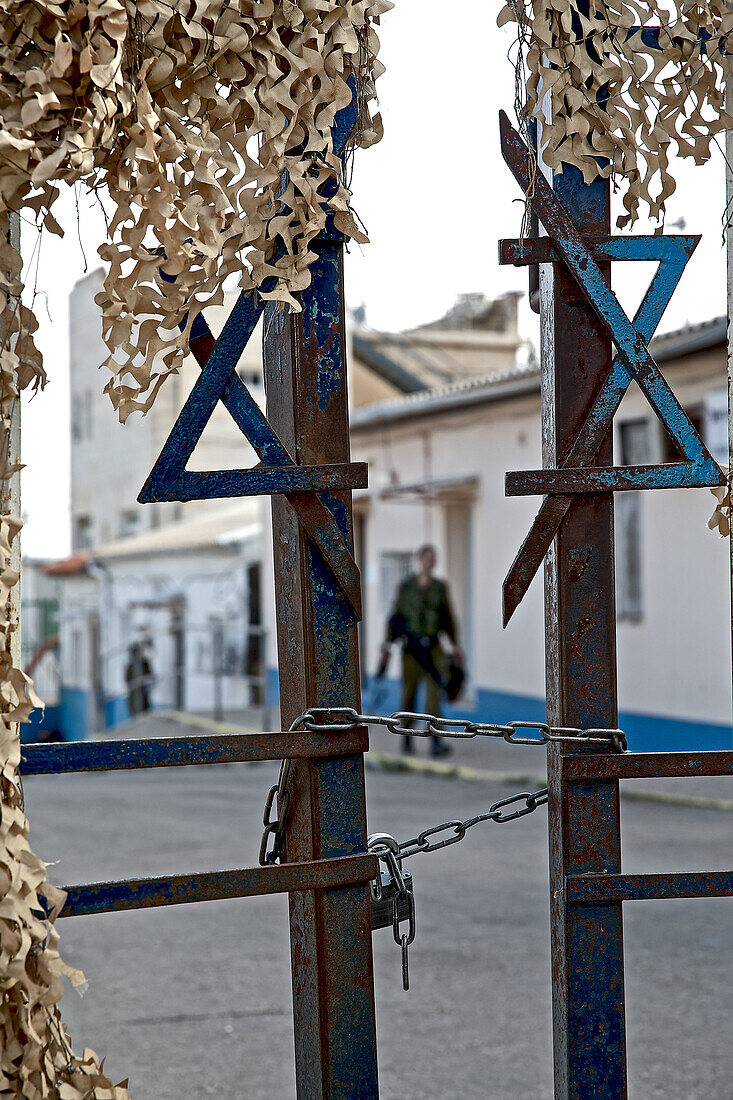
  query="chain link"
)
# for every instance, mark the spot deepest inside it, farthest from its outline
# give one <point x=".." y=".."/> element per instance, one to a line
<point x="323" y="719"/>
<point x="280" y="791"/>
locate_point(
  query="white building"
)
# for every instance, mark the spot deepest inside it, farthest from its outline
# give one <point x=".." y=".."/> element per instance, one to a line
<point x="437" y="463"/>
<point x="191" y="594"/>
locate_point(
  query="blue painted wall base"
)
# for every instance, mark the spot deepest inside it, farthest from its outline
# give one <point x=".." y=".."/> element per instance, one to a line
<point x="645" y="732"/>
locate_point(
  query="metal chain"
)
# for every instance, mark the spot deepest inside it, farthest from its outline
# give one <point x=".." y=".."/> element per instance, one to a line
<point x="323" y="719"/>
<point x="281" y="791"/>
<point x="386" y="848"/>
<point x="422" y="843"/>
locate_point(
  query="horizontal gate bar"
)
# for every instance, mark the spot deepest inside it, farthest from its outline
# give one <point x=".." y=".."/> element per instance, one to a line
<point x="593" y="479"/>
<point x="262" y="481"/>
<point x="603" y="889"/>
<point x="647" y="765"/>
<point x="177" y="752"/>
<point x="282" y="878"/>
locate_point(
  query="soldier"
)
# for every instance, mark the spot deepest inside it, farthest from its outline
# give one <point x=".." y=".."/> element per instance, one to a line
<point x="421" y="613"/>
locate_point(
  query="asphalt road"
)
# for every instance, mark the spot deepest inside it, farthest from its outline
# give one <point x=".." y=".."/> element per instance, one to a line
<point x="195" y="1000"/>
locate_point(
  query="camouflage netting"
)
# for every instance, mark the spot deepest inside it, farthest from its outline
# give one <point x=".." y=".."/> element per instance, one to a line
<point x="189" y="115"/>
<point x="614" y="106"/>
<point x="208" y="125"/>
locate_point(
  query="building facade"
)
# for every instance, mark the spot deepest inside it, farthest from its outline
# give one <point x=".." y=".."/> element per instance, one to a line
<point x="437" y="463"/>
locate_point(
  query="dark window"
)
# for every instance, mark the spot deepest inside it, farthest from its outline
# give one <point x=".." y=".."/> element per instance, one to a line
<point x="82" y="533"/>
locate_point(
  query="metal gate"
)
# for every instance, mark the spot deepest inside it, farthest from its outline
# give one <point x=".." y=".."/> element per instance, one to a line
<point x="304" y="448"/>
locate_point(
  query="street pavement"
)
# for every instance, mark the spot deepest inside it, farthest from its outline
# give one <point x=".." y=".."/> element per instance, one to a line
<point x="195" y="1000"/>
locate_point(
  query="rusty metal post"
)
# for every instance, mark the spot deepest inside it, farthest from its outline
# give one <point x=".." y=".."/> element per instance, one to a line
<point x="587" y="943"/>
<point x="305" y="377"/>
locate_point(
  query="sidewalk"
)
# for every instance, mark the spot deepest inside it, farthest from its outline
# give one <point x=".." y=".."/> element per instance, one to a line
<point x="478" y="758"/>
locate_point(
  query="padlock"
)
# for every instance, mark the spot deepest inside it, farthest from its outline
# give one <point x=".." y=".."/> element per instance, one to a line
<point x="383" y="907"/>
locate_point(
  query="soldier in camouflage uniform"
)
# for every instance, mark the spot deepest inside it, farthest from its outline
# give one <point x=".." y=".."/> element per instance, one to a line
<point x="421" y="613"/>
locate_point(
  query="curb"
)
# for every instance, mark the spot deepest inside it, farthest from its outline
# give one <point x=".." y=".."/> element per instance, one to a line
<point x="388" y="762"/>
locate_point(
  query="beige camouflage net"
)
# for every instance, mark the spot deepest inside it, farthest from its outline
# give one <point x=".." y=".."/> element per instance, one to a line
<point x="657" y="103"/>
<point x="189" y="114"/>
<point x="208" y="124"/>
<point x="720" y="519"/>
<point x="36" y="1059"/>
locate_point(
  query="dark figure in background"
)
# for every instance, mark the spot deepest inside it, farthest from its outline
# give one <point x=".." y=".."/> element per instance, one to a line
<point x="421" y="613"/>
<point x="138" y="677"/>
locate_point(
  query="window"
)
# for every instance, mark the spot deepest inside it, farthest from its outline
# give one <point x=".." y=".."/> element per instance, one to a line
<point x="77" y="430"/>
<point x="715" y="424"/>
<point x="82" y="532"/>
<point x="129" y="523"/>
<point x="394" y="568"/>
<point x="635" y="449"/>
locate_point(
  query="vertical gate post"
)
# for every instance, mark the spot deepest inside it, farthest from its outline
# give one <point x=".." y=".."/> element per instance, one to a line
<point x="330" y="930"/>
<point x="580" y="637"/>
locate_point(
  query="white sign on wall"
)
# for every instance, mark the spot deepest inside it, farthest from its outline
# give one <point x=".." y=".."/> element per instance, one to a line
<point x="715" y="424"/>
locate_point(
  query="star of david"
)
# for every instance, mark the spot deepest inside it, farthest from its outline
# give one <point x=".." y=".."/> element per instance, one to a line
<point x="305" y="487"/>
<point x="631" y="338"/>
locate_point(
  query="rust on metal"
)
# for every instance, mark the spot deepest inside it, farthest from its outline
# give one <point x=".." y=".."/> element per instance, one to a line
<point x="330" y="931"/>
<point x="179" y="752"/>
<point x="647" y="765"/>
<point x="591" y="890"/>
<point x="584" y="827"/>
<point x="147" y="893"/>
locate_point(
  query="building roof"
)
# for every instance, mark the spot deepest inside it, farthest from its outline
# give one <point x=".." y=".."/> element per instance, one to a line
<point x="475" y="337"/>
<point x="513" y="382"/>
<point x="77" y="563"/>
<point x="519" y="379"/>
<point x="205" y="530"/>
<point x="424" y="359"/>
<point x="691" y="338"/>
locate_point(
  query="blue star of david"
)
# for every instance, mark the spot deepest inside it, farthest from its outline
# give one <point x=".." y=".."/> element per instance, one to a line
<point x="575" y="475"/>
<point x="305" y="487"/>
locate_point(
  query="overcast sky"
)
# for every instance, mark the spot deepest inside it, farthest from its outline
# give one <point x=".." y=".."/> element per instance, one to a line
<point x="435" y="196"/>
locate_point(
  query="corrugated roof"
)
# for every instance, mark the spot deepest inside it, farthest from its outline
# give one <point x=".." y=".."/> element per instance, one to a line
<point x="515" y="381"/>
